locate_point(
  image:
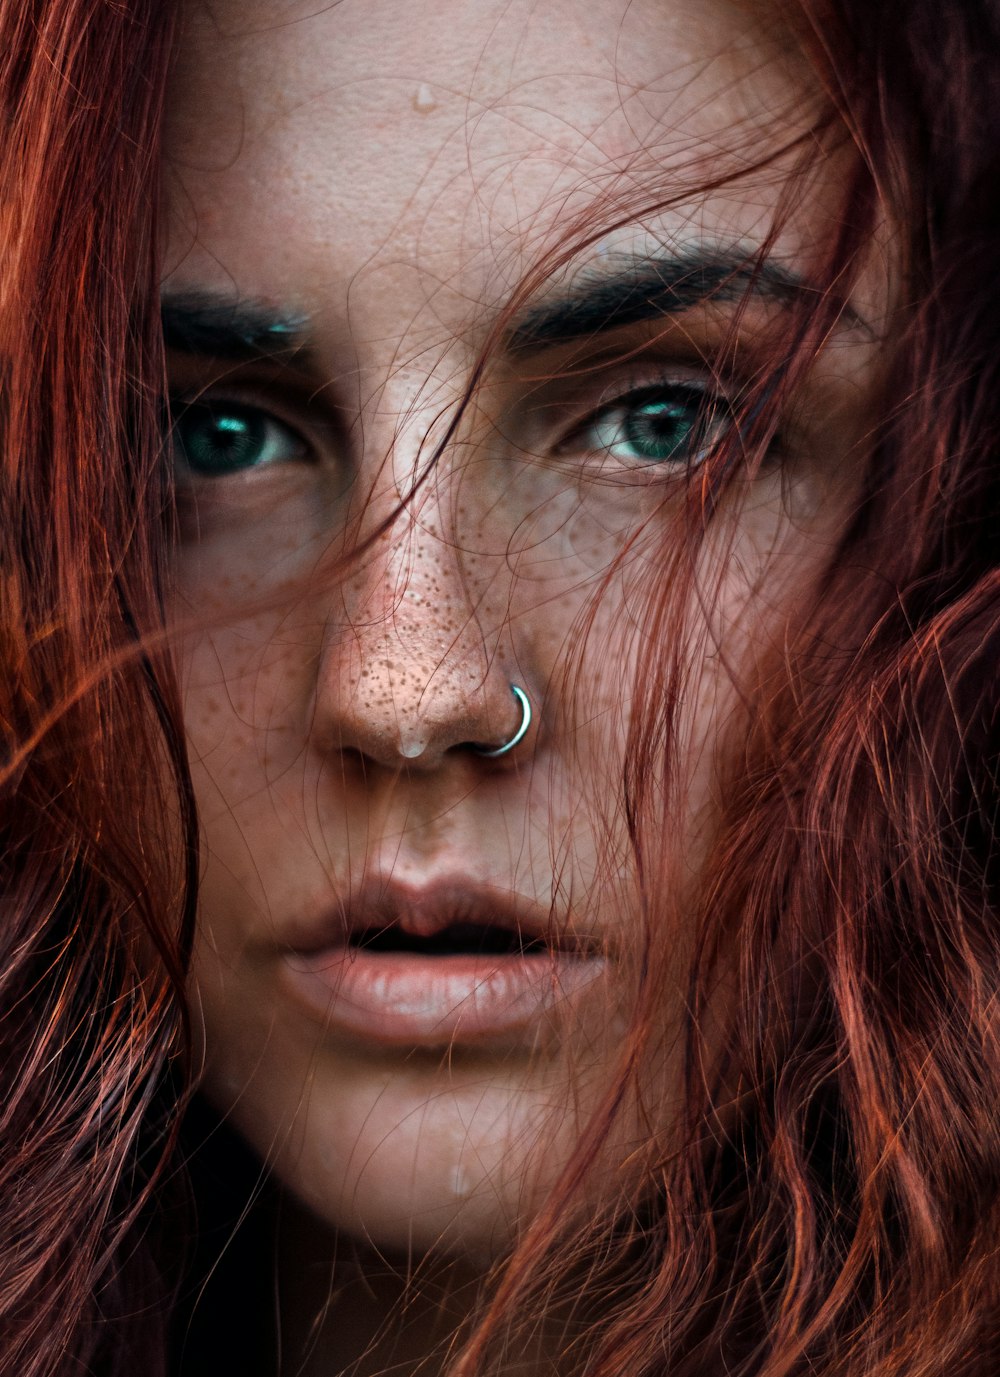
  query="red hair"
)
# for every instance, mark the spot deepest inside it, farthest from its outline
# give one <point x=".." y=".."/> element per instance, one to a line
<point x="842" y="1219"/>
<point x="89" y="1018"/>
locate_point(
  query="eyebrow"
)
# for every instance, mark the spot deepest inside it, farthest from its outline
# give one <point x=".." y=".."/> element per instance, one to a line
<point x="203" y="324"/>
<point x="600" y="300"/>
<point x="656" y="286"/>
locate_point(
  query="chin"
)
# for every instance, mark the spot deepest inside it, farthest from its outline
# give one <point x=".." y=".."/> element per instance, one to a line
<point x="448" y="1154"/>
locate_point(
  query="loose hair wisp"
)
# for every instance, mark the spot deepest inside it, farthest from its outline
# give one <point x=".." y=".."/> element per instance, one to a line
<point x="95" y="862"/>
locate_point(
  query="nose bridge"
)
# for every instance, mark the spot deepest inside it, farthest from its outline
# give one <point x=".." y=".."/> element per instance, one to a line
<point x="429" y="581"/>
<point x="412" y="415"/>
<point x="431" y="597"/>
<point x="411" y="670"/>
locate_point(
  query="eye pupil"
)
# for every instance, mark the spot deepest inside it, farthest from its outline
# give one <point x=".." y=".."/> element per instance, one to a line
<point x="217" y="442"/>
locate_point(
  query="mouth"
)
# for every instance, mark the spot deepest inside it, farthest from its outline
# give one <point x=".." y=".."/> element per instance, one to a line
<point x="455" y="939"/>
<point x="439" y="964"/>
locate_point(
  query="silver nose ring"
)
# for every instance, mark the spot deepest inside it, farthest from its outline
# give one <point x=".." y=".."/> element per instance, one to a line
<point x="519" y="735"/>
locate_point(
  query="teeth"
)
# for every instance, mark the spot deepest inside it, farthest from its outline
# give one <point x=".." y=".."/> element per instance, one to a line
<point x="458" y="939"/>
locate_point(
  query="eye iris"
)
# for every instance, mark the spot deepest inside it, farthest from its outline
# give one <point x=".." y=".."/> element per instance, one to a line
<point x="661" y="430"/>
<point x="223" y="441"/>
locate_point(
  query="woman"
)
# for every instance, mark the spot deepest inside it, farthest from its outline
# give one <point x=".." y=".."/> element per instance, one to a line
<point x="563" y="613"/>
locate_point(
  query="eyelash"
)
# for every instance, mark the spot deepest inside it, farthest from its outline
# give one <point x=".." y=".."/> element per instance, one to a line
<point x="699" y="412"/>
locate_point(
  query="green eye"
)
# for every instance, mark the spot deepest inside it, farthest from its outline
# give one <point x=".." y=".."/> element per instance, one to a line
<point x="668" y="424"/>
<point x="213" y="439"/>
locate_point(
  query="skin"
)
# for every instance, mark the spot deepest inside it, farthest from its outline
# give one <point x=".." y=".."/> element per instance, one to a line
<point x="393" y="172"/>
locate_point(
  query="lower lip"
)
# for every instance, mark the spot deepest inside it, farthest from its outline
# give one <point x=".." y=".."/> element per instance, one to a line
<point x="405" y="999"/>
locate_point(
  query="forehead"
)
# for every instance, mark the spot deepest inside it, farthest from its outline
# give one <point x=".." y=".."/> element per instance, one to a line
<point x="398" y="154"/>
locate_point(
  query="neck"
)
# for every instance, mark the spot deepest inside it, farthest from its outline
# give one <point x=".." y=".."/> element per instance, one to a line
<point x="346" y="1308"/>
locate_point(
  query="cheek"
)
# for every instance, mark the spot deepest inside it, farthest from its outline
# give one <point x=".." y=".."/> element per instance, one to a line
<point x="246" y="692"/>
<point x="761" y="565"/>
<point x="691" y="633"/>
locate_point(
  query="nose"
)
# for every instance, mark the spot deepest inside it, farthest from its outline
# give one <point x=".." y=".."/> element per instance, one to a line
<point x="417" y="667"/>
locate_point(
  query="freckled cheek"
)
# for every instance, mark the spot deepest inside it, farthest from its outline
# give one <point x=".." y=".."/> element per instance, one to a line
<point x="754" y="580"/>
<point x="245" y="536"/>
<point x="247" y="690"/>
<point x="564" y="527"/>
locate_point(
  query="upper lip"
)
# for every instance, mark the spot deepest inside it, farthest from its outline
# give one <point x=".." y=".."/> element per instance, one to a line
<point x="425" y="909"/>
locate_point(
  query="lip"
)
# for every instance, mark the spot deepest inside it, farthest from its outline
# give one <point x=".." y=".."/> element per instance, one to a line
<point x="412" y="998"/>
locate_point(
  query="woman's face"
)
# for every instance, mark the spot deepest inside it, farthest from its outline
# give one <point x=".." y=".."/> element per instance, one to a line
<point x="414" y="961"/>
